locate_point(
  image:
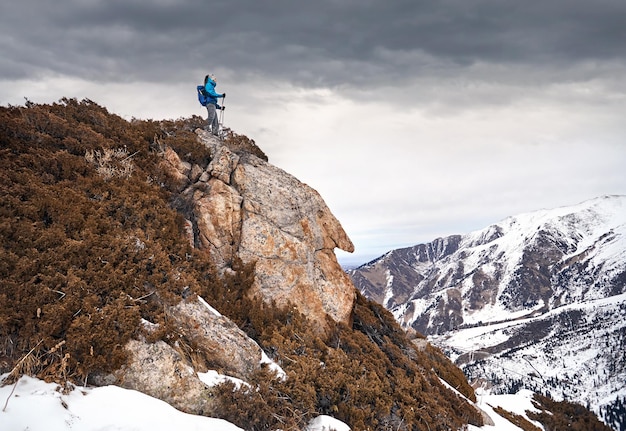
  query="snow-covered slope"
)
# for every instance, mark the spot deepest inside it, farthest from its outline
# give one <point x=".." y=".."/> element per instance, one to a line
<point x="528" y="263"/>
<point x="534" y="301"/>
<point x="574" y="352"/>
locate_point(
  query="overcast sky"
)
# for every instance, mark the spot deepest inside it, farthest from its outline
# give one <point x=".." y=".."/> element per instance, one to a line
<point x="414" y="119"/>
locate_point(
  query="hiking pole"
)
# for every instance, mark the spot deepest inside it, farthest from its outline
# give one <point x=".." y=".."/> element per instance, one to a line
<point x="222" y="112"/>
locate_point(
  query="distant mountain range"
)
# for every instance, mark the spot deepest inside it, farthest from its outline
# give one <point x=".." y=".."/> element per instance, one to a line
<point x="535" y="301"/>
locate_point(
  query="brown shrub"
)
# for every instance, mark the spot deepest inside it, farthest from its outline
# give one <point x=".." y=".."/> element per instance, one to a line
<point x="77" y="251"/>
<point x="367" y="375"/>
<point x="564" y="415"/>
<point x="516" y="419"/>
<point x="241" y="143"/>
<point x="85" y="256"/>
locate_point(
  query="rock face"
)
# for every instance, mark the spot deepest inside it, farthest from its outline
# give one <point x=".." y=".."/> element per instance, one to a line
<point x="158" y="370"/>
<point x="221" y="344"/>
<point x="246" y="208"/>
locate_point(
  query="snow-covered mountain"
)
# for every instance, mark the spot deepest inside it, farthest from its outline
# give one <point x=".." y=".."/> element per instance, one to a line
<point x="536" y="301"/>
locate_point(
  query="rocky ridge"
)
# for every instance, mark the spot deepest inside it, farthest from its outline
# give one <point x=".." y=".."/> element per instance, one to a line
<point x="522" y="266"/>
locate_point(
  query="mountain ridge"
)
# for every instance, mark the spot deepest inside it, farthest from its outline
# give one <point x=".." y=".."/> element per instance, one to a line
<point x="530" y="275"/>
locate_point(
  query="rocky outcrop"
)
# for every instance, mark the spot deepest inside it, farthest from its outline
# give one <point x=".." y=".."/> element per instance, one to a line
<point x="240" y="207"/>
<point x="208" y="341"/>
<point x="246" y="208"/>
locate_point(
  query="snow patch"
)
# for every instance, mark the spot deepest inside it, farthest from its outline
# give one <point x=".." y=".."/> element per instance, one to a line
<point x="211" y="309"/>
<point x="36" y="405"/>
<point x="213" y="378"/>
<point x="280" y="373"/>
<point x="326" y="423"/>
<point x="517" y="403"/>
<point x="149" y="326"/>
<point x="388" y="288"/>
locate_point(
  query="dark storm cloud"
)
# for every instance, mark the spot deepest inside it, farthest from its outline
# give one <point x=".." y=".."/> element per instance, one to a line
<point x="335" y="42"/>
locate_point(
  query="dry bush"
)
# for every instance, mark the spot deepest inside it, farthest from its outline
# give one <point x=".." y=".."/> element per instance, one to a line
<point x="241" y="143"/>
<point x="449" y="372"/>
<point x="563" y="415"/>
<point x="111" y="163"/>
<point x="261" y="407"/>
<point x="180" y="136"/>
<point x="516" y="419"/>
<point x="368" y="375"/>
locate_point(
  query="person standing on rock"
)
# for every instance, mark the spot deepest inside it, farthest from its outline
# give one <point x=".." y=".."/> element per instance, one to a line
<point x="209" y="87"/>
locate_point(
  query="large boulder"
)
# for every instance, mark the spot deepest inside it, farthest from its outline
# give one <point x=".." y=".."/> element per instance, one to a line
<point x="158" y="370"/>
<point x="217" y="342"/>
<point x="246" y="208"/>
<point x="291" y="234"/>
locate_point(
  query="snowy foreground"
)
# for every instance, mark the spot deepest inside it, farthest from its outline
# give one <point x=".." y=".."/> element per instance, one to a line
<point x="34" y="405"/>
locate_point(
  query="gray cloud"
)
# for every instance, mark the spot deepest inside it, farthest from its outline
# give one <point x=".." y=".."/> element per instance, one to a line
<point x="326" y="42"/>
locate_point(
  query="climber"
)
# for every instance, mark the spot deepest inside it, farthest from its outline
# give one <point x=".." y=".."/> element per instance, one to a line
<point x="211" y="103"/>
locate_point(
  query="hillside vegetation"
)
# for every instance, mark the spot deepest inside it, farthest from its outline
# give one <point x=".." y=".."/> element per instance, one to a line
<point x="93" y="241"/>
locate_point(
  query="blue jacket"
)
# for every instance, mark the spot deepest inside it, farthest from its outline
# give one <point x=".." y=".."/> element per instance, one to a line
<point x="210" y="90"/>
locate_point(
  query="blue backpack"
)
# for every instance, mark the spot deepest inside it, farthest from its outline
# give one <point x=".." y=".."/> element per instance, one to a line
<point x="203" y="97"/>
